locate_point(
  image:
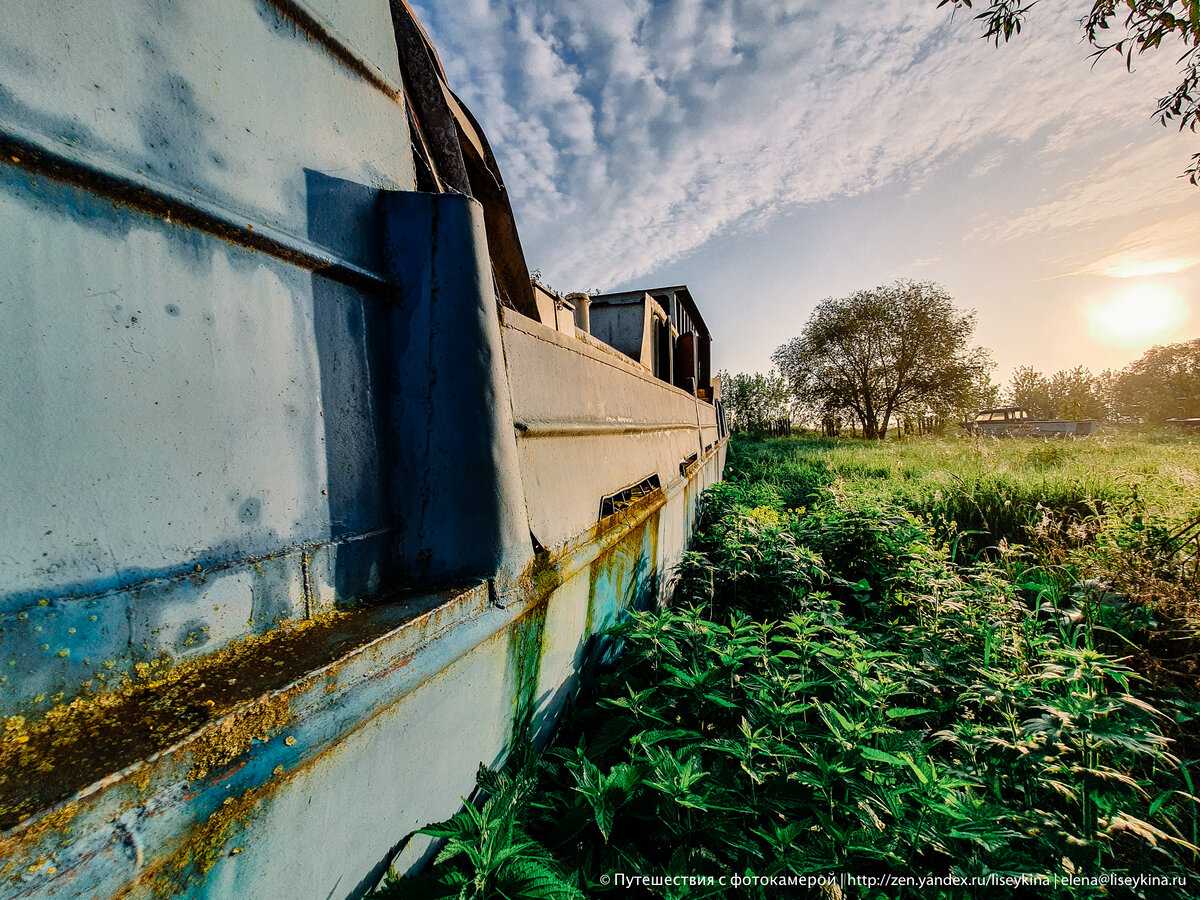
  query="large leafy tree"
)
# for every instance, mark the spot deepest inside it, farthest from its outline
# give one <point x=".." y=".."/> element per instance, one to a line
<point x="1030" y="389"/>
<point x="1126" y="28"/>
<point x="983" y="393"/>
<point x="901" y="347"/>
<point x="1077" y="394"/>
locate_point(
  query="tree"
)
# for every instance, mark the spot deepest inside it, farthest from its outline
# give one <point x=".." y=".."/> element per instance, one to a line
<point x="1140" y="25"/>
<point x="1106" y="391"/>
<point x="1067" y="394"/>
<point x="982" y="393"/>
<point x="902" y="347"/>
<point x="1076" y="394"/>
<point x="753" y="402"/>
<point x="1030" y="390"/>
<point x="1163" y="383"/>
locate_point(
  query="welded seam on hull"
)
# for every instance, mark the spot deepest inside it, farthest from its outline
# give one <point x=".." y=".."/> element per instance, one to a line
<point x="36" y="153"/>
<point x="184" y="571"/>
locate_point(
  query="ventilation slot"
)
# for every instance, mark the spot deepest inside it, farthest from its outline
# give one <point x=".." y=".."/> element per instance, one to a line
<point x="614" y="503"/>
<point x="687" y="466"/>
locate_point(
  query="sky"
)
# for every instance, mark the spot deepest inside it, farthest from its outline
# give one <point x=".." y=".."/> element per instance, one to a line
<point x="771" y="154"/>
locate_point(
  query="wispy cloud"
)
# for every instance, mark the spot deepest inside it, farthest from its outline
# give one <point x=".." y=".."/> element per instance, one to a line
<point x="1164" y="248"/>
<point x="630" y="132"/>
<point x="988" y="163"/>
<point x="924" y="262"/>
<point x="1134" y="180"/>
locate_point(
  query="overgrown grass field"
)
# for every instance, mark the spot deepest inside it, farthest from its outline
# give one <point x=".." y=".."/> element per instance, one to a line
<point x="943" y="659"/>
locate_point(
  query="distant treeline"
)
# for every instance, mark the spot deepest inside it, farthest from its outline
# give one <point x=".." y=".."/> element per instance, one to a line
<point x="1163" y="384"/>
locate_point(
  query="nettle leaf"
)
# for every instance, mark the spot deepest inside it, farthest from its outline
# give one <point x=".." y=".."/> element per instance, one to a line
<point x="917" y="770"/>
<point x="901" y="712"/>
<point x="460" y="824"/>
<point x="604" y="814"/>
<point x="650" y="738"/>
<point x="529" y="879"/>
<point x="881" y="756"/>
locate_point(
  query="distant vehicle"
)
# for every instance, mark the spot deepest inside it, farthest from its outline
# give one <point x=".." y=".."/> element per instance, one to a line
<point x="1015" y="421"/>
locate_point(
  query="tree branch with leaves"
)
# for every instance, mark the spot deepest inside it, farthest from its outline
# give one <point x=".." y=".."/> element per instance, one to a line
<point x="1127" y="28"/>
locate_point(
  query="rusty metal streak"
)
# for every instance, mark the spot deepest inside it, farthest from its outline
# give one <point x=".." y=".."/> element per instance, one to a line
<point x="546" y="428"/>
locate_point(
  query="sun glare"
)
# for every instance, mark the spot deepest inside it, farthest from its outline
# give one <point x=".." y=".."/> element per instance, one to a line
<point x="1139" y="314"/>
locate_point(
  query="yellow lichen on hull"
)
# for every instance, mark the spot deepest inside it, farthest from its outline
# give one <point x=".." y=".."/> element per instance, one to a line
<point x="233" y="736"/>
<point x="205" y="844"/>
<point x="13" y="849"/>
<point x="73" y="744"/>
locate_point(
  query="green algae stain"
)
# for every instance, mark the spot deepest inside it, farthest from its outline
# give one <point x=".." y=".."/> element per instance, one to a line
<point x="525" y="641"/>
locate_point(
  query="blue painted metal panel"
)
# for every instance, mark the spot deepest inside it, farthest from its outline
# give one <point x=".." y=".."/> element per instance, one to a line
<point x="247" y="375"/>
<point x="230" y="101"/>
<point x="161" y="396"/>
<point x="363" y="29"/>
<point x="456" y="483"/>
<point x="171" y="401"/>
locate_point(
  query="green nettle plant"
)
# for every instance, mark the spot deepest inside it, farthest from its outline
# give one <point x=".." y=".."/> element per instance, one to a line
<point x="487" y="850"/>
<point x="841" y="689"/>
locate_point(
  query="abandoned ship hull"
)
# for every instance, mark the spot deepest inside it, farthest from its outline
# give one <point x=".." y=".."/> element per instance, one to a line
<point x="309" y="790"/>
<point x="311" y="502"/>
<point x="1016" y="421"/>
<point x="1036" y="428"/>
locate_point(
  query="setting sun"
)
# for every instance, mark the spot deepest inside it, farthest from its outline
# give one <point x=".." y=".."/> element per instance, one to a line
<point x="1138" y="314"/>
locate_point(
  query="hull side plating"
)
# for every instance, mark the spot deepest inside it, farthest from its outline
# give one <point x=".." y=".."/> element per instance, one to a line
<point x="301" y="521"/>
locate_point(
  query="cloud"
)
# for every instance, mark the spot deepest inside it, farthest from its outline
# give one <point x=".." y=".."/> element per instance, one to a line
<point x="1130" y="181"/>
<point x="630" y="132"/>
<point x="1164" y="248"/>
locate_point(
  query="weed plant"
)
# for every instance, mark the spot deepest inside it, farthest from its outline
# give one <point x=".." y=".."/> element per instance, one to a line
<point x="844" y="683"/>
